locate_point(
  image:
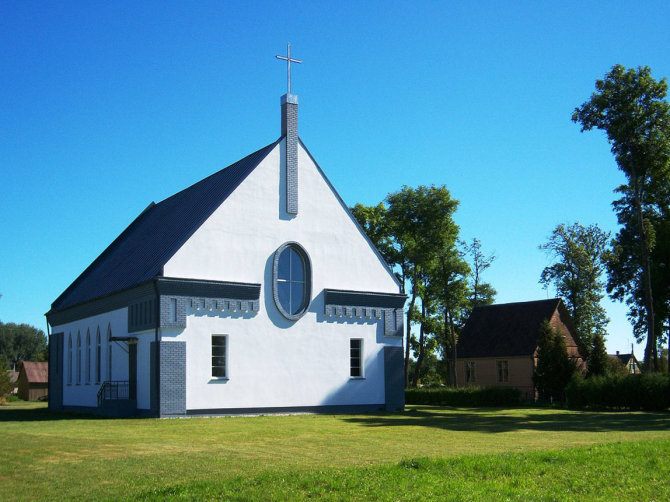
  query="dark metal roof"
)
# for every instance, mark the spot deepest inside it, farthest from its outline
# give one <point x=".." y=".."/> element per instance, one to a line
<point x="364" y="298"/>
<point x="140" y="252"/>
<point x="508" y="329"/>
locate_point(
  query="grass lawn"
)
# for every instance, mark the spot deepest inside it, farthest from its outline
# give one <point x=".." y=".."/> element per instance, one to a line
<point x="466" y="453"/>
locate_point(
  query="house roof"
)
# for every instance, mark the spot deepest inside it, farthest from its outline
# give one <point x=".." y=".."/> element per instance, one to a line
<point x="508" y="329"/>
<point x="36" y="372"/>
<point x="140" y="252"/>
<point x="624" y="358"/>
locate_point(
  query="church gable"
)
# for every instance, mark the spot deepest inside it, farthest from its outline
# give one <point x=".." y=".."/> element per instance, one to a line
<point x="238" y="240"/>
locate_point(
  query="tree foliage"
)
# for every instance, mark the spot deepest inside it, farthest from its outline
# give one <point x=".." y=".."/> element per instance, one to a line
<point x="580" y="258"/>
<point x="630" y="106"/>
<point x="5" y="384"/>
<point x="597" y="363"/>
<point x="21" y="342"/>
<point x="554" y="368"/>
<point x="415" y="231"/>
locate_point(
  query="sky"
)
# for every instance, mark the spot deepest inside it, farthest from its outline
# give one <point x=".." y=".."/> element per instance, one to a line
<point x="107" y="106"/>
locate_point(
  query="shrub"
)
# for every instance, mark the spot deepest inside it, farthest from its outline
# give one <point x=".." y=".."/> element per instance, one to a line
<point x="648" y="391"/>
<point x="465" y="396"/>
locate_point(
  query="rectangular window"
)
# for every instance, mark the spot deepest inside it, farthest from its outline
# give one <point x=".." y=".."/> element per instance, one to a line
<point x="503" y="371"/>
<point x="470" y="372"/>
<point x="219" y="347"/>
<point x="356" y="358"/>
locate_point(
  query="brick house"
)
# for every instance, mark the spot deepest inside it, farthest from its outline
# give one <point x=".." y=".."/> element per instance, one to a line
<point x="498" y="345"/>
<point x="33" y="381"/>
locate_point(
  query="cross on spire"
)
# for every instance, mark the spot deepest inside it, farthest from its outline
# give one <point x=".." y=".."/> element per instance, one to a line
<point x="288" y="60"/>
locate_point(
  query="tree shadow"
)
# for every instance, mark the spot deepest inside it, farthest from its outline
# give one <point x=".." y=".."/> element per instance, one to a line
<point x="485" y="420"/>
<point x="11" y="414"/>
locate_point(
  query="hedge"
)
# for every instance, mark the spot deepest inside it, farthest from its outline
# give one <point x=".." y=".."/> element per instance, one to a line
<point x="648" y="391"/>
<point x="464" y="396"/>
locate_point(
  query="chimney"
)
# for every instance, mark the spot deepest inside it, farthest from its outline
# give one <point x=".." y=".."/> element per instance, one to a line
<point x="289" y="129"/>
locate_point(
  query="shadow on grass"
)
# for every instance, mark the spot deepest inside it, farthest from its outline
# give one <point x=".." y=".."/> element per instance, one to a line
<point x="18" y="414"/>
<point x="486" y="420"/>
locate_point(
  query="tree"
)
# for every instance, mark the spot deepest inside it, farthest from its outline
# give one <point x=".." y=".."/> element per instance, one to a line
<point x="630" y="106"/>
<point x="5" y="384"/>
<point x="481" y="293"/>
<point x="21" y="342"/>
<point x="580" y="254"/>
<point x="598" y="361"/>
<point x="554" y="369"/>
<point x="420" y="223"/>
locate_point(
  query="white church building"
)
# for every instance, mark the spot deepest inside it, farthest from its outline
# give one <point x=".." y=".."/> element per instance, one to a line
<point x="252" y="291"/>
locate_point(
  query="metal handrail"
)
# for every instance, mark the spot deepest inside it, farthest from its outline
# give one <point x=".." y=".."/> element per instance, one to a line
<point x="113" y="390"/>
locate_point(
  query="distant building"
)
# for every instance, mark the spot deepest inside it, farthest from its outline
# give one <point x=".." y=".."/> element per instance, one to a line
<point x="33" y="381"/>
<point x="13" y="379"/>
<point x="498" y="345"/>
<point x="629" y="361"/>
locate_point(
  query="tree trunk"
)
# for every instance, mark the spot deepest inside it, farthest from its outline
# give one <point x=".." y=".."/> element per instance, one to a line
<point x="452" y="332"/>
<point x="408" y="327"/>
<point x="419" y="360"/>
<point x="649" y="351"/>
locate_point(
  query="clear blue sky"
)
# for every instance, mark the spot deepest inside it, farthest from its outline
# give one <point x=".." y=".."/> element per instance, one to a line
<point x="106" y="106"/>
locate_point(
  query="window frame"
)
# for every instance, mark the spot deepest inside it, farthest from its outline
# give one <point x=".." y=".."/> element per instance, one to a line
<point x="361" y="358"/>
<point x="307" y="280"/>
<point x="88" y="356"/>
<point x="78" y="357"/>
<point x="470" y="372"/>
<point x="98" y="356"/>
<point x="502" y="369"/>
<point x="69" y="358"/>
<point x="226" y="370"/>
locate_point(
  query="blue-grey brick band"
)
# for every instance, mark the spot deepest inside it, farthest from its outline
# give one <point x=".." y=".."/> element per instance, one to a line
<point x="289" y="122"/>
<point x="172" y="378"/>
<point x="367" y="305"/>
<point x="394" y="378"/>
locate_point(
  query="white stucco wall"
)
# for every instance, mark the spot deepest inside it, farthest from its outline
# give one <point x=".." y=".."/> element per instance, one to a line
<point x="85" y="393"/>
<point x="274" y="362"/>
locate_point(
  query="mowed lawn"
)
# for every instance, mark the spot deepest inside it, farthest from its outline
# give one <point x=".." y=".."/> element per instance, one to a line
<point x="57" y="456"/>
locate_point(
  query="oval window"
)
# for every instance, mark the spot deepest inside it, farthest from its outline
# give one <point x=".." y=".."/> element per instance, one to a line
<point x="292" y="280"/>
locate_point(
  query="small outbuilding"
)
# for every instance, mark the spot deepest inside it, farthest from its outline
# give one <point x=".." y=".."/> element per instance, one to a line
<point x="498" y="345"/>
<point x="629" y="361"/>
<point x="33" y="381"/>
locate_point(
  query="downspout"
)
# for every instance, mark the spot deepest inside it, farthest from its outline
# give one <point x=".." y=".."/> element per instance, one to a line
<point x="158" y="352"/>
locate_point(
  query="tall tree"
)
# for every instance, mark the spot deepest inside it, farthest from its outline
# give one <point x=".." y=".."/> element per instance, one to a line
<point x="554" y="369"/>
<point x="420" y="222"/>
<point x="580" y="254"/>
<point x="450" y="285"/>
<point x="630" y="106"/>
<point x="21" y="342"/>
<point x="598" y="361"/>
<point x="481" y="293"/>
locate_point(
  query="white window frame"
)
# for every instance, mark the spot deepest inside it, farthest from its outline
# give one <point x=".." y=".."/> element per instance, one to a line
<point x="78" y="358"/>
<point x="69" y="359"/>
<point x="361" y="359"/>
<point x="88" y="357"/>
<point x="226" y="365"/>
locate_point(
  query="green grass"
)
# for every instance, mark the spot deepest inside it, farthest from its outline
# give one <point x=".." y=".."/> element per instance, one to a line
<point x="48" y="456"/>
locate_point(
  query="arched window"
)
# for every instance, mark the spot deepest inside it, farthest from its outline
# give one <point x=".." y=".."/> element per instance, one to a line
<point x="69" y="359"/>
<point x="78" y="358"/>
<point x="88" y="356"/>
<point x="109" y="352"/>
<point x="292" y="280"/>
<point x="97" y="356"/>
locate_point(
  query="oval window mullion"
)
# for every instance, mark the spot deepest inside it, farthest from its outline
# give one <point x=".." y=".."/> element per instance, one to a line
<point x="288" y="278"/>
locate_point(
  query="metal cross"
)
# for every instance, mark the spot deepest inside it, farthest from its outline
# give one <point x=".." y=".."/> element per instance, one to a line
<point x="288" y="60"/>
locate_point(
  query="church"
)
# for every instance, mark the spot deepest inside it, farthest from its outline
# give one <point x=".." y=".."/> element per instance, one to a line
<point x="252" y="291"/>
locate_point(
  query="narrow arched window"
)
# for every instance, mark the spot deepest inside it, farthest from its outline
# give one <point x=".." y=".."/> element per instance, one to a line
<point x="88" y="356"/>
<point x="292" y="280"/>
<point x="97" y="356"/>
<point x="78" y="358"/>
<point x="109" y="352"/>
<point x="69" y="359"/>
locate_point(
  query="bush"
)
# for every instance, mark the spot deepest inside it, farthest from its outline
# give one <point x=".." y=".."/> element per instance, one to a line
<point x="648" y="391"/>
<point x="465" y="396"/>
